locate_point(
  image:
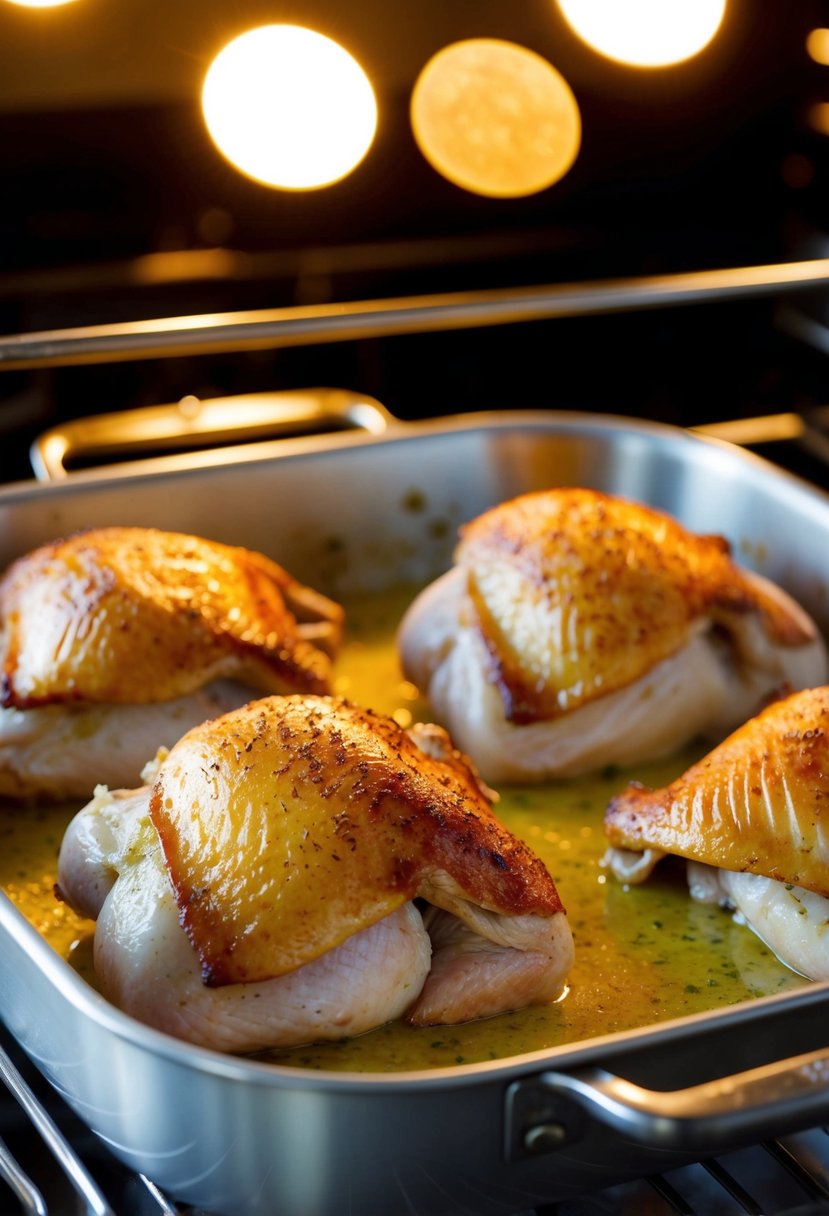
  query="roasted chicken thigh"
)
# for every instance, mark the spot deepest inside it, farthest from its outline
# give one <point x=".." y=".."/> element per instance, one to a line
<point x="301" y="869"/>
<point x="577" y="629"/>
<point x="752" y="820"/>
<point x="116" y="639"/>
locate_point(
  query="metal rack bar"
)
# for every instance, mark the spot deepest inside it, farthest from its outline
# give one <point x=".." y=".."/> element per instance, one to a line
<point x="61" y="1150"/>
<point x="732" y="1187"/>
<point x="671" y="1196"/>
<point x="20" y="1184"/>
<point x="165" y="1207"/>
<point x="812" y="1186"/>
<point x="264" y="329"/>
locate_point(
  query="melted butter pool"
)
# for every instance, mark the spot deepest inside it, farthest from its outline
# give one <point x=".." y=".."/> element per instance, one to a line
<point x="643" y="955"/>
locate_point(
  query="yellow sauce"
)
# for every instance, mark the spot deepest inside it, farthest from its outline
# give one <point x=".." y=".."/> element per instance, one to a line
<point x="643" y="954"/>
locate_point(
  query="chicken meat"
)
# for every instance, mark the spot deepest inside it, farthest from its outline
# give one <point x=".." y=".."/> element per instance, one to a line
<point x="303" y="869"/>
<point x="752" y="821"/>
<point x="116" y="639"/>
<point x="577" y="629"/>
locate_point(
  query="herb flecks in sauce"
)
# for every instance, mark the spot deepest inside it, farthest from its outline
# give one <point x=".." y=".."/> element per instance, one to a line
<point x="643" y="955"/>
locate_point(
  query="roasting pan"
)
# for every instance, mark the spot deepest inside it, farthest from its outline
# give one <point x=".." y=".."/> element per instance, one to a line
<point x="352" y="511"/>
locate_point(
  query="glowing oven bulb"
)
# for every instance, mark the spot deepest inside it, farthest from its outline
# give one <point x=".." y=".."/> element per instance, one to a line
<point x="39" y="3"/>
<point x="645" y="33"/>
<point x="289" y="107"/>
<point x="495" y="118"/>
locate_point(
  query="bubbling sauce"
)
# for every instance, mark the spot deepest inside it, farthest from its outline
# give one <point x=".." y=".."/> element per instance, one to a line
<point x="643" y="954"/>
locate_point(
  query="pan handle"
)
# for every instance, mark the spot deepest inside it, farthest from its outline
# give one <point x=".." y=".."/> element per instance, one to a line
<point x="554" y="1109"/>
<point x="175" y="434"/>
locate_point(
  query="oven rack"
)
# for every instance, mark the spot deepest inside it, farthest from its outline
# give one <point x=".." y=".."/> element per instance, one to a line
<point x="315" y="325"/>
<point x="52" y="1165"/>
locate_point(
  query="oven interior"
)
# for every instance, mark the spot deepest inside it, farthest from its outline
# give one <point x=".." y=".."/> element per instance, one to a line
<point x="116" y="211"/>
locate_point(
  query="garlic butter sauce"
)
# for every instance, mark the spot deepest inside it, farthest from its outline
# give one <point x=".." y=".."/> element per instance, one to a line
<point x="643" y="955"/>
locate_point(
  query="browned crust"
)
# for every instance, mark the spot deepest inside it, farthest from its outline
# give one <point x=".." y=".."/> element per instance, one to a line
<point x="759" y="802"/>
<point x="137" y="615"/>
<point x="616" y="587"/>
<point x="344" y="817"/>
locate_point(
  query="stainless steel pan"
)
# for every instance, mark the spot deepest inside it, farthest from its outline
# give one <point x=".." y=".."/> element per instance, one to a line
<point x="356" y="511"/>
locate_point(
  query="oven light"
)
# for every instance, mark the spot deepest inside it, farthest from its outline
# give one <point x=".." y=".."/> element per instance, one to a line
<point x="817" y="46"/>
<point x="289" y="107"/>
<point x="495" y="118"/>
<point x="817" y="116"/>
<point x="645" y="33"/>
<point x="39" y="3"/>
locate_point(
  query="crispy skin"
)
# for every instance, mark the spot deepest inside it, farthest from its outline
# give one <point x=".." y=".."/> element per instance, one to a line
<point x="292" y="823"/>
<point x="759" y="802"/>
<point x="578" y="593"/>
<point x="135" y="615"/>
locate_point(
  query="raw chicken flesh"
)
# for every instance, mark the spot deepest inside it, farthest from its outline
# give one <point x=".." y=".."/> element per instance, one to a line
<point x="751" y="820"/>
<point x="578" y="630"/>
<point x="312" y="855"/>
<point x="117" y="635"/>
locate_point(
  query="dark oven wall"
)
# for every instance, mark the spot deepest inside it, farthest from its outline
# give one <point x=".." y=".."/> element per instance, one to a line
<point x="117" y="207"/>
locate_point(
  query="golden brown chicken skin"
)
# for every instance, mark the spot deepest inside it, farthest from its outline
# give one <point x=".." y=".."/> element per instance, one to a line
<point x="757" y="803"/>
<point x="752" y="821"/>
<point x="303" y="869"/>
<point x="117" y="640"/>
<point x="133" y="615"/>
<point x="294" y="822"/>
<point x="616" y="585"/>
<point x="578" y="629"/>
